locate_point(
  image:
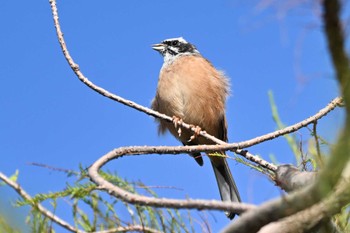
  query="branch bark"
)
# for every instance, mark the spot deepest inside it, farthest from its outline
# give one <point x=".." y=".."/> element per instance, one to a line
<point x="152" y="201"/>
<point x="316" y="217"/>
<point x="289" y="178"/>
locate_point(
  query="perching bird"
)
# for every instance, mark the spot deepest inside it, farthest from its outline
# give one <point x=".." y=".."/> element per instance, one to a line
<point x="192" y="90"/>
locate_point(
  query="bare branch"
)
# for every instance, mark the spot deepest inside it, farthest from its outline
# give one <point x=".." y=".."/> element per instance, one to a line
<point x="293" y="128"/>
<point x="54" y="168"/>
<point x="235" y="147"/>
<point x="152" y="201"/>
<point x="288" y="180"/>
<point x="100" y="90"/>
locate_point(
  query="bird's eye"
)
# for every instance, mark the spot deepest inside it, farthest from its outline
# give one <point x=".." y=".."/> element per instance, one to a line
<point x="174" y="43"/>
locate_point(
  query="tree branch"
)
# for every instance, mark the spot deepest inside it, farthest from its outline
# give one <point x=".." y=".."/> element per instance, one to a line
<point x="235" y="147"/>
<point x="15" y="186"/>
<point x="293" y="128"/>
<point x="336" y="45"/>
<point x="42" y="209"/>
<point x="311" y="218"/>
<point x="152" y="201"/>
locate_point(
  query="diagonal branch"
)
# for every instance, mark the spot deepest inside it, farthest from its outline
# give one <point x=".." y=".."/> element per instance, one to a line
<point x="42" y="209"/>
<point x="310" y="218"/>
<point x="62" y="223"/>
<point x="295" y="127"/>
<point x="100" y="90"/>
<point x="82" y="78"/>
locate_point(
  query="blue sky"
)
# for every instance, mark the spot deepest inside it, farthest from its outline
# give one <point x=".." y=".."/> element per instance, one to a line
<point x="48" y="116"/>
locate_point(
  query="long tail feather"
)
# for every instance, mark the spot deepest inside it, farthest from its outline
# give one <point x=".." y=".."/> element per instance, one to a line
<point x="227" y="186"/>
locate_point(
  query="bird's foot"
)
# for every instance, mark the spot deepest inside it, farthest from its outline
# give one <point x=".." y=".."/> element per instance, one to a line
<point x="196" y="133"/>
<point x="177" y="121"/>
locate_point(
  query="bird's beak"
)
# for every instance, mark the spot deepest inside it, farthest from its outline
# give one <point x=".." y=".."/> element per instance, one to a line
<point x="158" y="47"/>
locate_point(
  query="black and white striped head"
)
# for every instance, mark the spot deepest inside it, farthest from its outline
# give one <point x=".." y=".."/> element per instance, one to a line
<point x="171" y="48"/>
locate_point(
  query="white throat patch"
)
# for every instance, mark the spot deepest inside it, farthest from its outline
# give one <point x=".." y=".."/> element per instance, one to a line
<point x="169" y="58"/>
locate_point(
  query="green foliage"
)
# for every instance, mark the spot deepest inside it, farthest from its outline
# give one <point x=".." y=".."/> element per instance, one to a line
<point x="93" y="210"/>
<point x="310" y="157"/>
<point x="290" y="138"/>
<point x="343" y="219"/>
<point x="5" y="226"/>
<point x="14" y="178"/>
<point x="38" y="222"/>
<point x="302" y="158"/>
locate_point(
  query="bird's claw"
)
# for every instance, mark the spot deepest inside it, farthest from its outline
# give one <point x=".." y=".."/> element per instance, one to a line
<point x="196" y="133"/>
<point x="177" y="121"/>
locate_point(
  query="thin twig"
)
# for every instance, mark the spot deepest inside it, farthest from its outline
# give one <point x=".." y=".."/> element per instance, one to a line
<point x="158" y="187"/>
<point x="67" y="171"/>
<point x="293" y="128"/>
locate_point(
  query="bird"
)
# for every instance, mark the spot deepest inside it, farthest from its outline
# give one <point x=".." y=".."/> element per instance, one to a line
<point x="192" y="90"/>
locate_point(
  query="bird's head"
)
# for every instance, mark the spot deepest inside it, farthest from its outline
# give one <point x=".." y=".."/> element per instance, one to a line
<point x="173" y="47"/>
